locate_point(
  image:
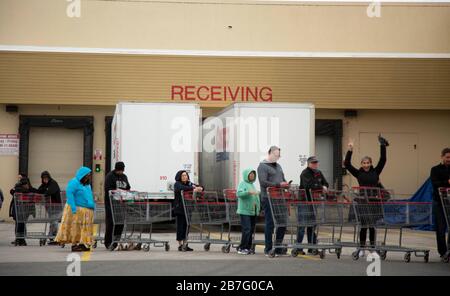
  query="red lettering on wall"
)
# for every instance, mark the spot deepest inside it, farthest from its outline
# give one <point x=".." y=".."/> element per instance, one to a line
<point x="177" y="90"/>
<point x="198" y="93"/>
<point x="215" y="94"/>
<point x="190" y="93"/>
<point x="221" y="93"/>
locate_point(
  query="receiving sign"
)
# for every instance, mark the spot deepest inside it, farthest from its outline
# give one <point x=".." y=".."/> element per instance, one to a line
<point x="9" y="144"/>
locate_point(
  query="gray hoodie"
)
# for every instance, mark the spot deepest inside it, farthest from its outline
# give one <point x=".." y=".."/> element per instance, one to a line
<point x="269" y="175"/>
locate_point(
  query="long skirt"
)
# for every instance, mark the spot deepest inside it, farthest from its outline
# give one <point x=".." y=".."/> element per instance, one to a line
<point x="76" y="229"/>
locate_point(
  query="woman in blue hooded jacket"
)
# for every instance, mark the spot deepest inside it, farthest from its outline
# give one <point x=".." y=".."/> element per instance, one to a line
<point x="78" y="217"/>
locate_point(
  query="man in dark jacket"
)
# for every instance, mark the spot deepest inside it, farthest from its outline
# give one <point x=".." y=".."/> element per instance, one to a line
<point x="49" y="187"/>
<point x="23" y="186"/>
<point x="114" y="180"/>
<point x="440" y="178"/>
<point x="311" y="179"/>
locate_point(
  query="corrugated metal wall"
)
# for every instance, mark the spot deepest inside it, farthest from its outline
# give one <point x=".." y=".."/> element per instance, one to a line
<point x="102" y="79"/>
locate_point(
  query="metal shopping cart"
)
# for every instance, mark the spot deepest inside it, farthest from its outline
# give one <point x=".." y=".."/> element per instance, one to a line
<point x="292" y="209"/>
<point x="204" y="214"/>
<point x="336" y="214"/>
<point x="99" y="222"/>
<point x="137" y="212"/>
<point x="36" y="211"/>
<point x="444" y="194"/>
<point x="372" y="210"/>
<point x="233" y="218"/>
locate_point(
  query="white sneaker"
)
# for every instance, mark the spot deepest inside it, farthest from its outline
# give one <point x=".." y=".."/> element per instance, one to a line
<point x="243" y="252"/>
<point x="362" y="253"/>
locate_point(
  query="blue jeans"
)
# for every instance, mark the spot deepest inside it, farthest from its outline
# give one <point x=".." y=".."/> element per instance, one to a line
<point x="248" y="228"/>
<point x="311" y="235"/>
<point x="269" y="227"/>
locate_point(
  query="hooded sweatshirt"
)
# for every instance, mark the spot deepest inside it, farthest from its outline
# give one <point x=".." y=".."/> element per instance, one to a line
<point x="270" y="174"/>
<point x="79" y="195"/>
<point x="248" y="204"/>
<point x="50" y="189"/>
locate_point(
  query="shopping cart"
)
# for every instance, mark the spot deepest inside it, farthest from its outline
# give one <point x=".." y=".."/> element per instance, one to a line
<point x="99" y="222"/>
<point x="233" y="218"/>
<point x="336" y="216"/>
<point x="293" y="209"/>
<point x="137" y="212"/>
<point x="444" y="194"/>
<point x="204" y="213"/>
<point x="372" y="210"/>
<point x="36" y="211"/>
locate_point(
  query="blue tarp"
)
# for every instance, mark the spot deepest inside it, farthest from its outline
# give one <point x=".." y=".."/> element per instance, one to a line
<point x="424" y="194"/>
<point x="397" y="214"/>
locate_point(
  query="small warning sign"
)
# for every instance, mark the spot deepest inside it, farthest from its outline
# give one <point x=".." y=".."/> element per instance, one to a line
<point x="9" y="144"/>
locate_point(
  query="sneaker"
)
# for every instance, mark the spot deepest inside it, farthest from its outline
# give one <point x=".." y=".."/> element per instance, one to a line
<point x="244" y="252"/>
<point x="76" y="248"/>
<point x="187" y="249"/>
<point x="180" y="248"/>
<point x="52" y="242"/>
<point x="362" y="253"/>
<point x="113" y="246"/>
<point x="22" y="243"/>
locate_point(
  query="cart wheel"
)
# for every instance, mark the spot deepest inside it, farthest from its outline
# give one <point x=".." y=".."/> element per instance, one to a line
<point x="407" y="257"/>
<point x="322" y="254"/>
<point x="315" y="252"/>
<point x="294" y="252"/>
<point x="167" y="247"/>
<point x="207" y="246"/>
<point x="426" y="258"/>
<point x="445" y="258"/>
<point x="272" y="253"/>
<point x="355" y="255"/>
<point x="120" y="247"/>
<point x="383" y="255"/>
<point x="226" y="249"/>
<point x="42" y="242"/>
<point x="146" y="248"/>
<point x="95" y="245"/>
<point x="338" y="253"/>
<point x="138" y="247"/>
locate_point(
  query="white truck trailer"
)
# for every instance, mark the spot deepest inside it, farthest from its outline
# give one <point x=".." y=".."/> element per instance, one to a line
<point x="155" y="140"/>
<point x="240" y="136"/>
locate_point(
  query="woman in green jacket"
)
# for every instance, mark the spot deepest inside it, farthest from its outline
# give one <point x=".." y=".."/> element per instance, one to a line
<point x="248" y="209"/>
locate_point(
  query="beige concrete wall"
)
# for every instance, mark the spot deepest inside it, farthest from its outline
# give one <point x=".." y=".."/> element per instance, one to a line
<point x="417" y="28"/>
<point x="9" y="123"/>
<point x="431" y="128"/>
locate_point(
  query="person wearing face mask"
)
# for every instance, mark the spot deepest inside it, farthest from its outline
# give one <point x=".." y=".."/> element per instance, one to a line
<point x="182" y="183"/>
<point x="367" y="176"/>
<point x="311" y="179"/>
<point x="440" y="178"/>
<point x="78" y="217"/>
<point x="270" y="174"/>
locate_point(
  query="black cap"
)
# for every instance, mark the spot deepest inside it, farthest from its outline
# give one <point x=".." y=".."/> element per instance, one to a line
<point x="45" y="174"/>
<point x="312" y="159"/>
<point x="120" y="166"/>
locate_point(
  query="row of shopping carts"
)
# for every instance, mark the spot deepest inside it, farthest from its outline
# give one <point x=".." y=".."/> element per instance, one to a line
<point x="211" y="217"/>
<point x="332" y="211"/>
<point x="37" y="212"/>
